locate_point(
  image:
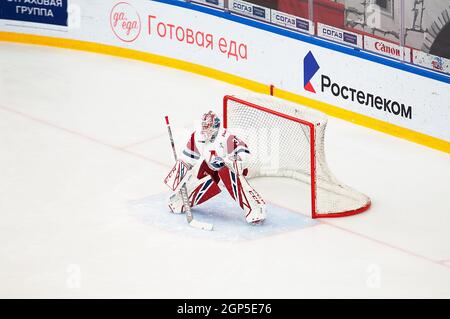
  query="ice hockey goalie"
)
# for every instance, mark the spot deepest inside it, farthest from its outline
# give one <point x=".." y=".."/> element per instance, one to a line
<point x="214" y="159"/>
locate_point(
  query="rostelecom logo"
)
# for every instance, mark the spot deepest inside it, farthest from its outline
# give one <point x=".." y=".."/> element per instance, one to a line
<point x="310" y="68"/>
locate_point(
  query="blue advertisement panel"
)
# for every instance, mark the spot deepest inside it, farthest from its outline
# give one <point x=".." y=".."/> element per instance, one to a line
<point x="40" y="11"/>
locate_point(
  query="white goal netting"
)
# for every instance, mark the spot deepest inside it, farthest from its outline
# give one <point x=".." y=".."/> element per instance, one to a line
<point x="287" y="140"/>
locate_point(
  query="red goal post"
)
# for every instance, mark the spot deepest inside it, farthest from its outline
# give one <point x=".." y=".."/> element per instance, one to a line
<point x="303" y="159"/>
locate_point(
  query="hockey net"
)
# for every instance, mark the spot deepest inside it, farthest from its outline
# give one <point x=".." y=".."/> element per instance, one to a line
<point x="287" y="140"/>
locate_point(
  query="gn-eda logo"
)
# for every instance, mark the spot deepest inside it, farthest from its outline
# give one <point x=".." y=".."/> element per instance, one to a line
<point x="310" y="68"/>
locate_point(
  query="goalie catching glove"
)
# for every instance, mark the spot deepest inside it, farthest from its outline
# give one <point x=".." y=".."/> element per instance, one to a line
<point x="217" y="163"/>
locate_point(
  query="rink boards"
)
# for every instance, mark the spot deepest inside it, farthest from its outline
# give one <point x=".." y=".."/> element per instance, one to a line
<point x="342" y="82"/>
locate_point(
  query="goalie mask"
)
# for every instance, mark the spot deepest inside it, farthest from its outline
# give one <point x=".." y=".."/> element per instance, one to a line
<point x="210" y="126"/>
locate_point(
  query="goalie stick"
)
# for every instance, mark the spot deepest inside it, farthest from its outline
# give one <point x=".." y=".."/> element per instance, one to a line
<point x="183" y="191"/>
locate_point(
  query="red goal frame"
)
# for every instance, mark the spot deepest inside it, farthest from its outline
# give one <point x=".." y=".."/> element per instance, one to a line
<point x="312" y="131"/>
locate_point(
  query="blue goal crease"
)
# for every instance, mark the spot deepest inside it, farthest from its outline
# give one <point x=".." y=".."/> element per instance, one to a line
<point x="222" y="211"/>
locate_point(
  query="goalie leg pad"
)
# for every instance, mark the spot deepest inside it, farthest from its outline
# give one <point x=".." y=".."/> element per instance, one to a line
<point x="243" y="193"/>
<point x="204" y="192"/>
<point x="201" y="193"/>
<point x="176" y="203"/>
<point x="200" y="187"/>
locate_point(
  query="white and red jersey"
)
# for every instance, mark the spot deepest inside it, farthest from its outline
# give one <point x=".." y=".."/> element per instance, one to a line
<point x="225" y="145"/>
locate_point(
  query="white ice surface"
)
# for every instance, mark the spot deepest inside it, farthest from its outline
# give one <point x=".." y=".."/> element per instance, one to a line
<point x="83" y="151"/>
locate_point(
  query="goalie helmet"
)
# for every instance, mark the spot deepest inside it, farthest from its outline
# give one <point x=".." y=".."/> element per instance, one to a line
<point x="210" y="126"/>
